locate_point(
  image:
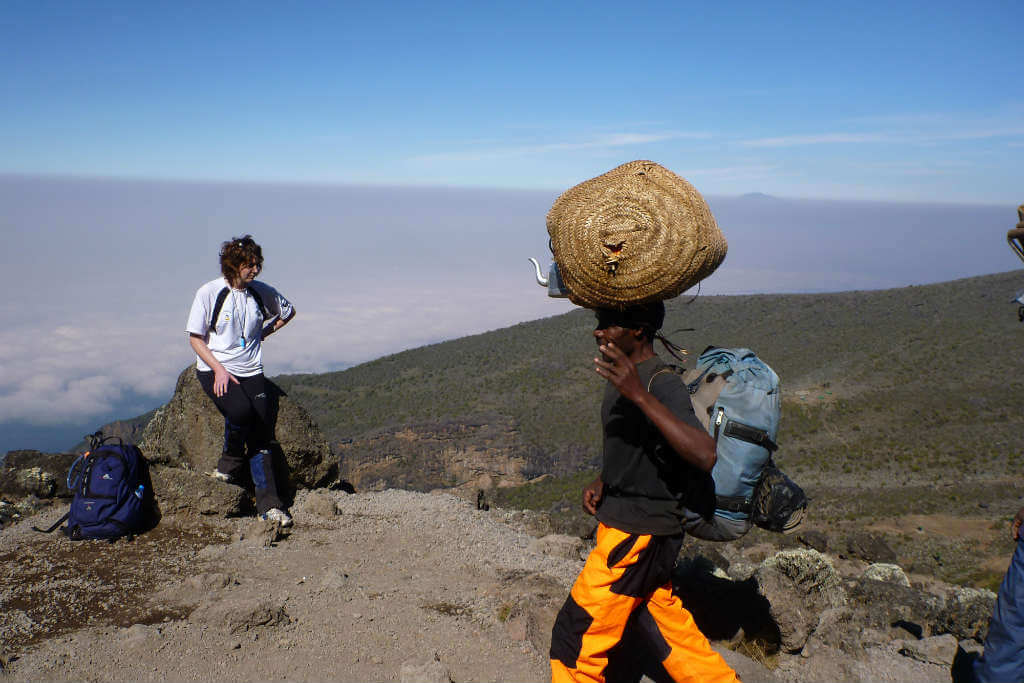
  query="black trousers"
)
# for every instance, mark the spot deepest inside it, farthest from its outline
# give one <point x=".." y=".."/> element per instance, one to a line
<point x="248" y="435"/>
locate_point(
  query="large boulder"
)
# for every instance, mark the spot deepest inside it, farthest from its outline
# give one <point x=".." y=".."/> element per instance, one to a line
<point x="887" y="604"/>
<point x="870" y="547"/>
<point x="889" y="573"/>
<point x="178" y="490"/>
<point x="799" y="586"/>
<point x="32" y="473"/>
<point x="189" y="432"/>
<point x="966" y="613"/>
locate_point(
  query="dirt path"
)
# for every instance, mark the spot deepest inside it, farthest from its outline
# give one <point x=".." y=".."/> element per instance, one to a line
<point x="394" y="579"/>
<point x="370" y="587"/>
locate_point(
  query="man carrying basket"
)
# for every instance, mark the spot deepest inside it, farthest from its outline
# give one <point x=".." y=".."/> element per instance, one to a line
<point x="623" y="242"/>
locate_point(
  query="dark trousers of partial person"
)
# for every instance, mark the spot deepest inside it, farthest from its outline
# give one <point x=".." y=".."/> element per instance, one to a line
<point x="626" y="574"/>
<point x="1003" y="658"/>
<point x="248" y="435"/>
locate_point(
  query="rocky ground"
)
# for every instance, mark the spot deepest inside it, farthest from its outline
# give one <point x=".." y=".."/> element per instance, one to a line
<point x="417" y="587"/>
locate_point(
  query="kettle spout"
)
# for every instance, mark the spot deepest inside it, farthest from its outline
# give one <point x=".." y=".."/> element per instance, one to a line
<point x="541" y="280"/>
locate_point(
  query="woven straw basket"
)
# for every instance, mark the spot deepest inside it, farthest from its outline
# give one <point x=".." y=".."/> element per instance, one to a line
<point x="636" y="234"/>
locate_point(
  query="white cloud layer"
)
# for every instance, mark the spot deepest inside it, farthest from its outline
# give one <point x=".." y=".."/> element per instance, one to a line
<point x="373" y="272"/>
<point x="87" y="365"/>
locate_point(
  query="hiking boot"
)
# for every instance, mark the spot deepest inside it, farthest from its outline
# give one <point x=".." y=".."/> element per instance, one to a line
<point x="220" y="476"/>
<point x="277" y="515"/>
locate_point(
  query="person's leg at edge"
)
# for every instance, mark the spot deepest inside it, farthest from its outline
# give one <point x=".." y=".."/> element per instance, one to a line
<point x="1003" y="658"/>
<point x="685" y="651"/>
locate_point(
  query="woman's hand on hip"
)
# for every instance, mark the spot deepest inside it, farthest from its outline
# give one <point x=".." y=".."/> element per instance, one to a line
<point x="221" y="377"/>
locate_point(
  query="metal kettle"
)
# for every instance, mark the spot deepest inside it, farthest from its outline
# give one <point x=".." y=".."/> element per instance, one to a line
<point x="556" y="288"/>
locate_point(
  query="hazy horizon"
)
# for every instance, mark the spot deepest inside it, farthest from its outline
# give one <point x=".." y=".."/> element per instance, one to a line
<point x="110" y="268"/>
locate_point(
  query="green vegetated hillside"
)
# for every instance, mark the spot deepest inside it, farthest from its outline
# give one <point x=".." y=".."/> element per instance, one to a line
<point x="896" y="402"/>
<point x="911" y="386"/>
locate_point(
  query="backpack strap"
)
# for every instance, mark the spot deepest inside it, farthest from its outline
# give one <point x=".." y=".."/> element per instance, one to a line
<point x="745" y="432"/>
<point x="704" y="388"/>
<point x="259" y="302"/>
<point x="55" y="524"/>
<point x="734" y="504"/>
<point x="668" y="369"/>
<point x="222" y="296"/>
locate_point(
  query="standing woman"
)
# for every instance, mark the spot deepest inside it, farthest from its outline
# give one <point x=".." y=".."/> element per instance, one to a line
<point x="229" y="319"/>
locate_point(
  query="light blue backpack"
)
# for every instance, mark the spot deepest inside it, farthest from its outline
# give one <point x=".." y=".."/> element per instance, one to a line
<point x="736" y="397"/>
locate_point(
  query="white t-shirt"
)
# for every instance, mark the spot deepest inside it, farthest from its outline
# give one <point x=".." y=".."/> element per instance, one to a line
<point x="235" y="338"/>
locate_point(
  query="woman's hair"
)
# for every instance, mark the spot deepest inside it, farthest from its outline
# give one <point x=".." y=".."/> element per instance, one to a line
<point x="236" y="253"/>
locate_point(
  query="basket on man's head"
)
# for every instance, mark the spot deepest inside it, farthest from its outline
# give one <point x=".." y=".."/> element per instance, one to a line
<point x="635" y="234"/>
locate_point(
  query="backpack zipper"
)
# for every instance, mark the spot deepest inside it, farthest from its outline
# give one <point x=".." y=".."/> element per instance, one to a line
<point x="719" y="418"/>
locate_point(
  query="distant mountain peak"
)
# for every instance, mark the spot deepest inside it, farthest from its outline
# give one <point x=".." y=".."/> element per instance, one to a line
<point x="759" y="196"/>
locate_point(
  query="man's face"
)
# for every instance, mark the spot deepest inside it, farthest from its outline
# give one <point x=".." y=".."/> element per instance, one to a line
<point x="622" y="337"/>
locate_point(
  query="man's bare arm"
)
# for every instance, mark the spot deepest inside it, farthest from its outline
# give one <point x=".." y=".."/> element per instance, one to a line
<point x="693" y="445"/>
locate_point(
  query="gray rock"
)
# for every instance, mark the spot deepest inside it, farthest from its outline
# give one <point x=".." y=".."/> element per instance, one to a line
<point x="746" y="668"/>
<point x="179" y="490"/>
<point x="37" y="482"/>
<point x="870" y="548"/>
<point x="317" y="504"/>
<point x="824" y="664"/>
<point x="837" y="628"/>
<point x="813" y="539"/>
<point x="560" y="545"/>
<point x="741" y="570"/>
<point x="8" y="513"/>
<point x="33" y="473"/>
<point x="432" y="671"/>
<point x="935" y="650"/>
<point x="206" y="583"/>
<point x="241" y="616"/>
<point x="531" y="602"/>
<point x="889" y="573"/>
<point x="799" y="585"/>
<point x="535" y="523"/>
<point x="966" y="613"/>
<point x="812" y="571"/>
<point x="188" y="432"/>
<point x="333" y="579"/>
<point x="971" y="646"/>
<point x="134" y="635"/>
<point x="261" y="533"/>
<point x="881" y="605"/>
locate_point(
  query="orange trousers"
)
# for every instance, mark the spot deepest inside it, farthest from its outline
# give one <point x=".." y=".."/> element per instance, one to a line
<point x="624" y="573"/>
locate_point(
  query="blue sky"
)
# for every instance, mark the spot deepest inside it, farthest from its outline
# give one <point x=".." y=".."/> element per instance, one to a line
<point x="893" y="101"/>
<point x="396" y="161"/>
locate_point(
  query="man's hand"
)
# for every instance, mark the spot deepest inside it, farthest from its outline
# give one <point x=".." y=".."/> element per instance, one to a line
<point x="617" y="368"/>
<point x="1017" y="521"/>
<point x="592" y="494"/>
